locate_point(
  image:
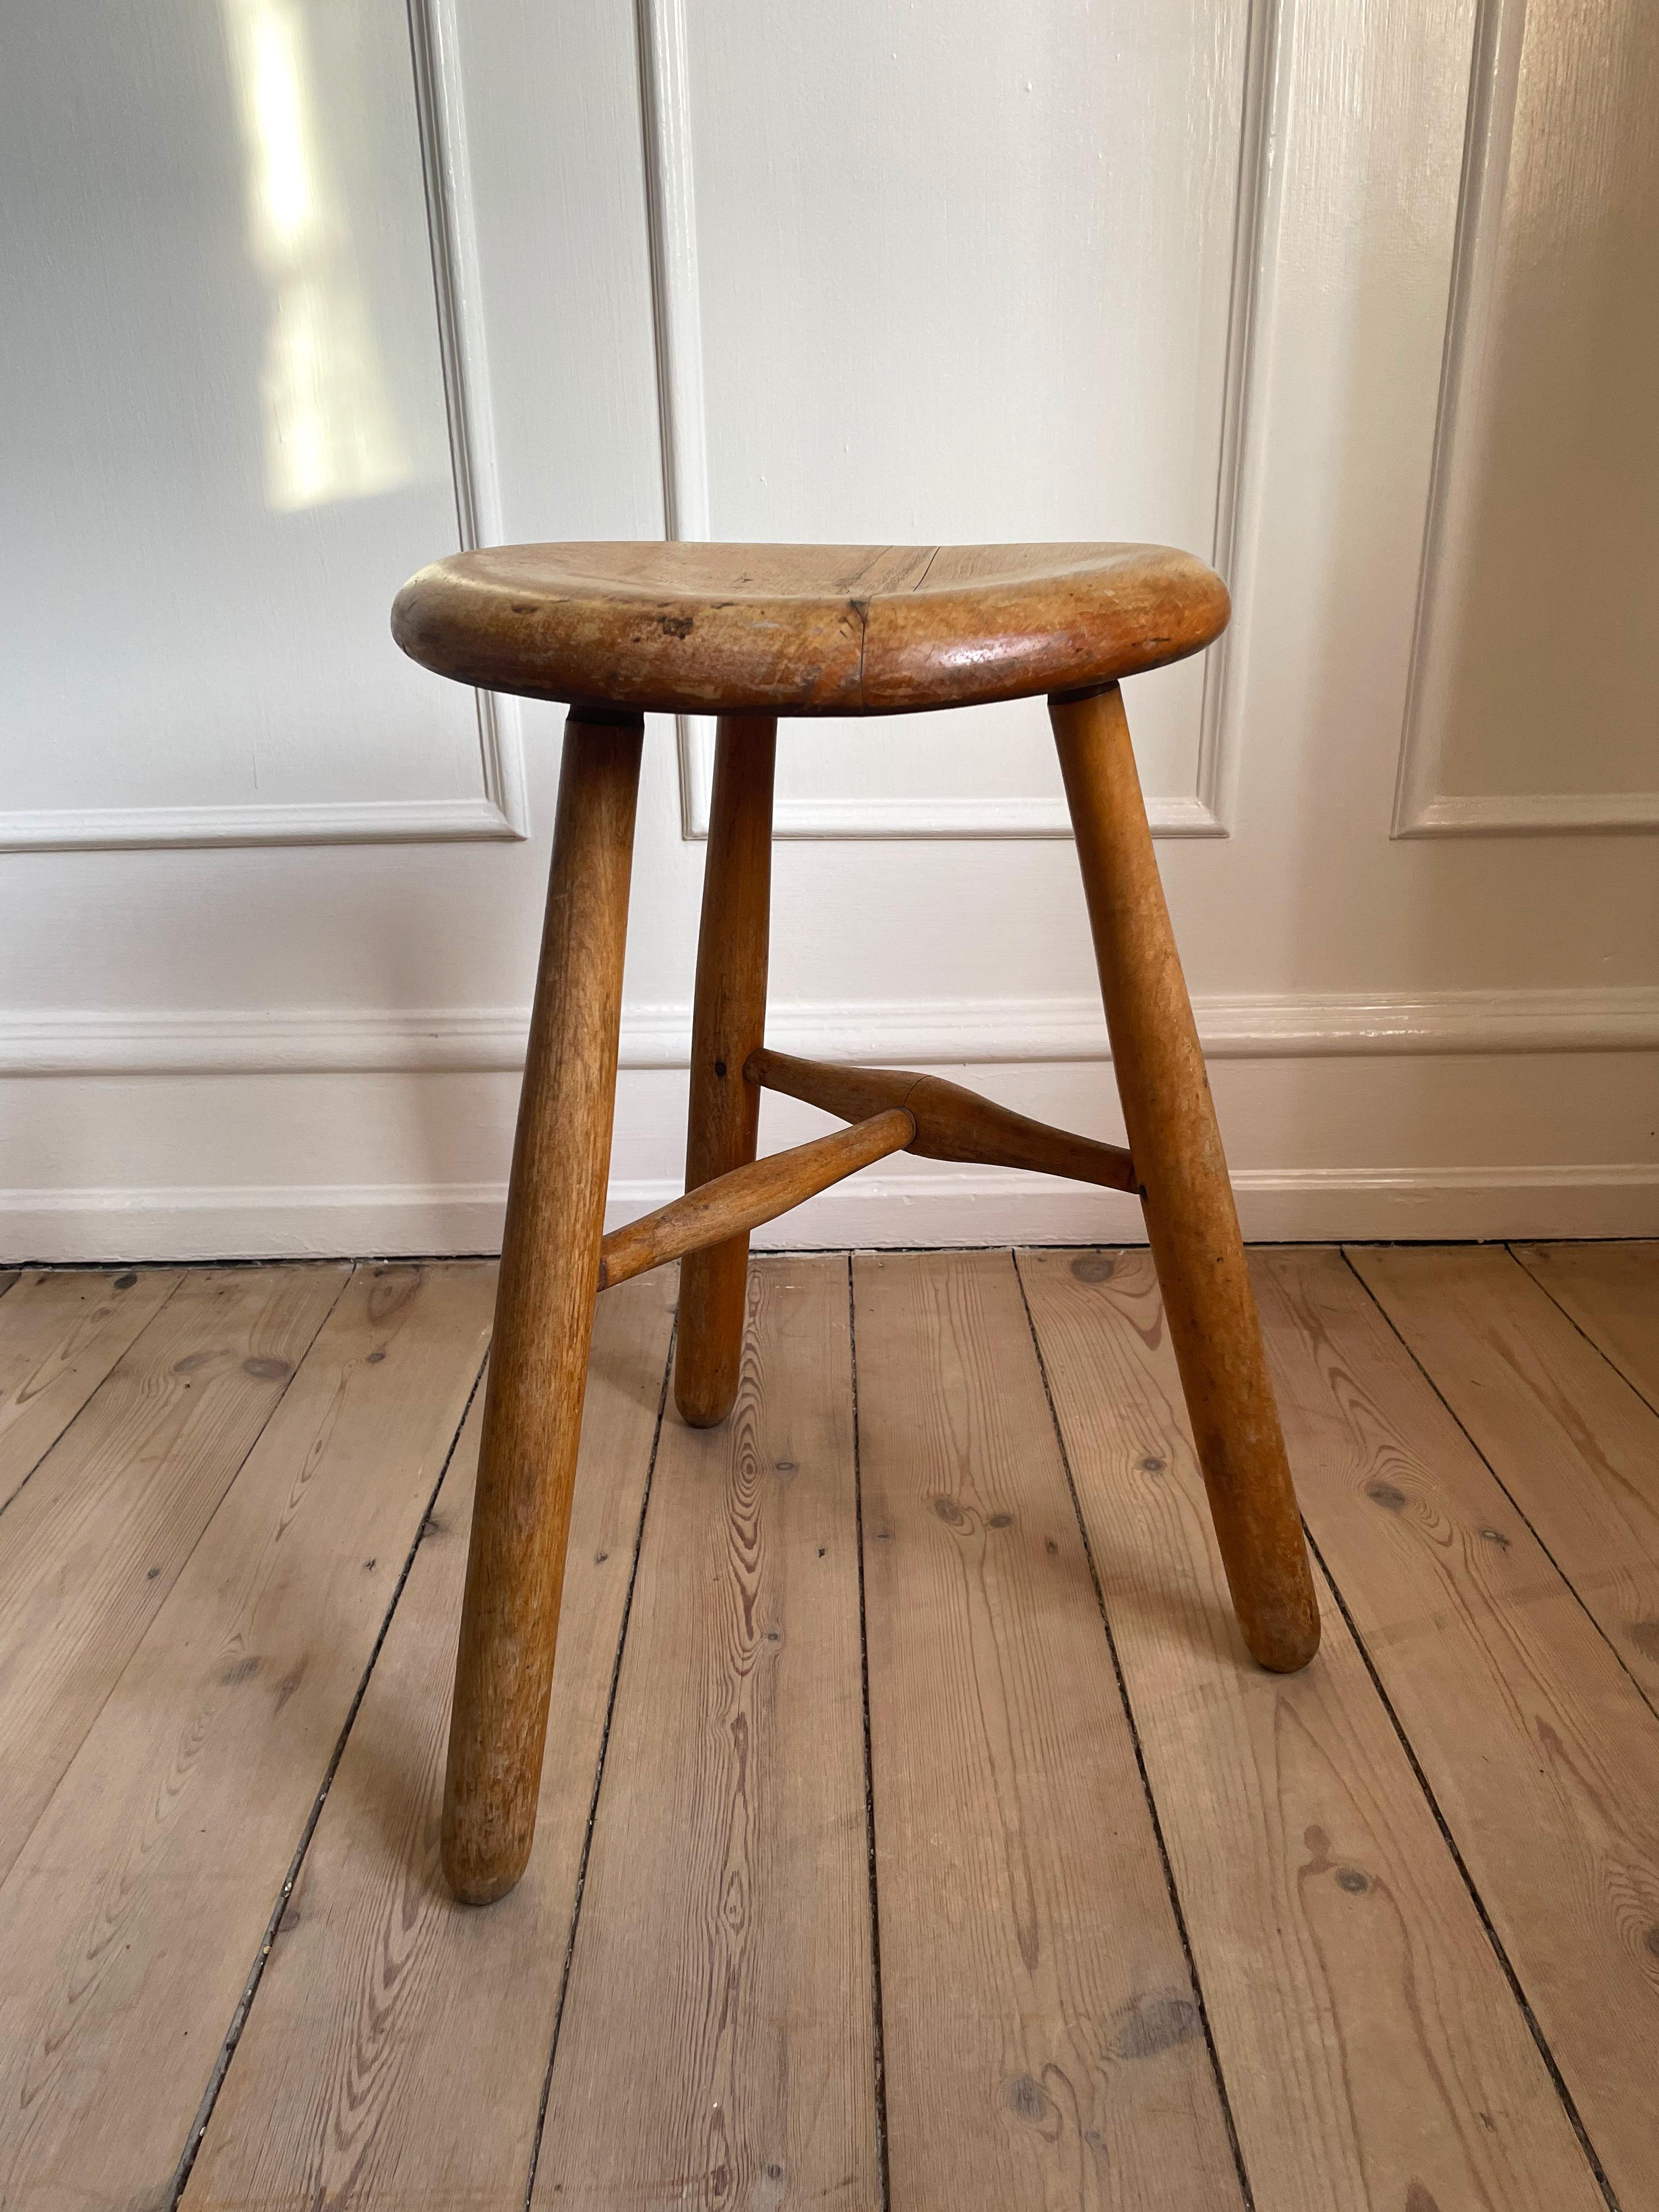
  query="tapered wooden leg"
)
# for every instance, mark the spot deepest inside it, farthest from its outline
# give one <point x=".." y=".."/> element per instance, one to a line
<point x="1191" y="1220"/>
<point x="728" y="1023"/>
<point x="544" y="1321"/>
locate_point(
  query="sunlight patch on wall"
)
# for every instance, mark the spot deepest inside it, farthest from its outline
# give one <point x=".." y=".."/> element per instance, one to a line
<point x="331" y="432"/>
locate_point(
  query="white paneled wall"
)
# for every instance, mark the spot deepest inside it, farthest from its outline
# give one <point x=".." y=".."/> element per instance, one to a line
<point x="232" y="405"/>
<point x="302" y="296"/>
<point x="880" y="329"/>
<point x="1535" y="702"/>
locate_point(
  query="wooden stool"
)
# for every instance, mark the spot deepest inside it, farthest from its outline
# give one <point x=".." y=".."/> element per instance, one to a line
<point x="749" y="632"/>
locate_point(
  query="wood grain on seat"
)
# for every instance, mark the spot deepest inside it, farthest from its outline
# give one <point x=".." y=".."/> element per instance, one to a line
<point x="805" y="629"/>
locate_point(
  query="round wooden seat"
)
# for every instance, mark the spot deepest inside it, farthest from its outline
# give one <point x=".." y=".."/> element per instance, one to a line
<point x="805" y="629"/>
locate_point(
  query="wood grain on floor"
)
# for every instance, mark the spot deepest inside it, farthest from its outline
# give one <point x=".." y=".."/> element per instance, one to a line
<point x="1612" y="1292"/>
<point x="93" y="1541"/>
<point x="136" y="1909"/>
<point x="1574" y="1446"/>
<point x="1541" y="1752"/>
<point x="728" y="1886"/>
<point x="62" y="1333"/>
<point x="1042" y="2034"/>
<point x="915" y="1832"/>
<point x="397" y="2053"/>
<point x="1329" y="1924"/>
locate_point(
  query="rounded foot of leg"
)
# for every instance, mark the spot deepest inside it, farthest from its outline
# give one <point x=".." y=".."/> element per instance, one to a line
<point x="703" y="1404"/>
<point x="1283" y="1647"/>
<point x="480" y="1877"/>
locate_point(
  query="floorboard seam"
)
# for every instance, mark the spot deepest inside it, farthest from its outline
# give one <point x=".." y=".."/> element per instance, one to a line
<point x="1476" y="1898"/>
<point x="1600" y="1350"/>
<point x="251" y="1989"/>
<point x="1245" y="2189"/>
<point x="598" y="1771"/>
<point x="292" y="1378"/>
<point x="120" y="1674"/>
<point x="879" y="2032"/>
<point x="6" y="1503"/>
<point x="1518" y="1509"/>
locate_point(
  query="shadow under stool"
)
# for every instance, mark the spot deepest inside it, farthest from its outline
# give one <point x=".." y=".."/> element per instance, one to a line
<point x="749" y="632"/>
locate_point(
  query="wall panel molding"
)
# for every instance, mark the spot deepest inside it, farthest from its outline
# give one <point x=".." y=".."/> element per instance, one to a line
<point x="1529" y="814"/>
<point x="665" y="101"/>
<point x="938" y="1033"/>
<point x="500" y="809"/>
<point x="458" y="289"/>
<point x="498" y="812"/>
<point x="1422" y="807"/>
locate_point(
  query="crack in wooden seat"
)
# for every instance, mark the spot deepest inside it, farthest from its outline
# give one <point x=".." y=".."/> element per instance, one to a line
<point x="750" y="633"/>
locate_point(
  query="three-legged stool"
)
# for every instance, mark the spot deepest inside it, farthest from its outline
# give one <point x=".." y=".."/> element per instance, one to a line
<point x="749" y="632"/>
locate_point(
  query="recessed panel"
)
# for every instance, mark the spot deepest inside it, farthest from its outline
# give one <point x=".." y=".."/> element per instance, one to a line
<point x="964" y="275"/>
<point x="221" y="385"/>
<point x="1536" y="701"/>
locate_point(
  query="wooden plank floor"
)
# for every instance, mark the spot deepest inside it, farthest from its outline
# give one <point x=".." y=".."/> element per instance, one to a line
<point x="915" y="1832"/>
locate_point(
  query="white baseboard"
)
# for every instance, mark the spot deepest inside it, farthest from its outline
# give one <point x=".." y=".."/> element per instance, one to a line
<point x="249" y="1221"/>
<point x="971" y="1206"/>
<point x="928" y="1033"/>
<point x="910" y="1205"/>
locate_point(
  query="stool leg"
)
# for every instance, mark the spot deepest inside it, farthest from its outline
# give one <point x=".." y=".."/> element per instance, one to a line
<point x="1191" y="1219"/>
<point x="728" y="1023"/>
<point x="543" y="1322"/>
